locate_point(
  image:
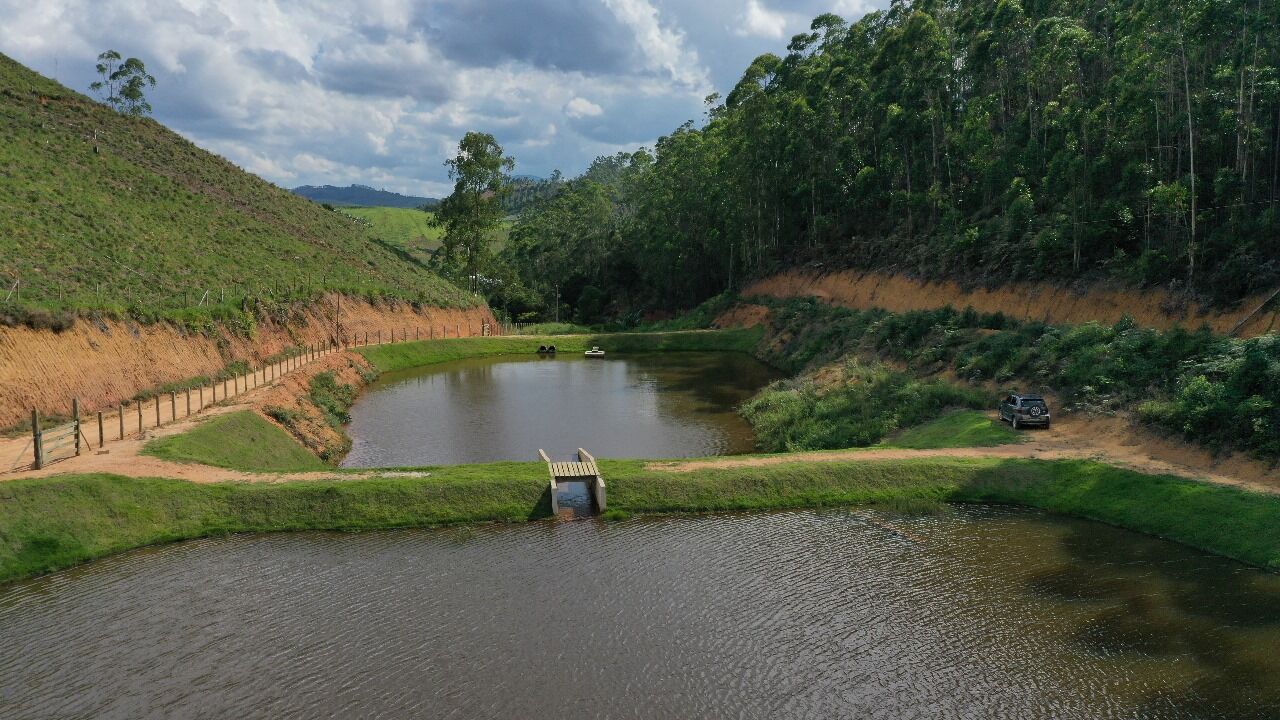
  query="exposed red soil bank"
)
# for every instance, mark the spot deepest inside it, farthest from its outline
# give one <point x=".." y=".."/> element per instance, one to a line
<point x="102" y="362"/>
<point x="1025" y="301"/>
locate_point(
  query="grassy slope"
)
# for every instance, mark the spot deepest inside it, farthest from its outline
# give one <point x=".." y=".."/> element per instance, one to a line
<point x="156" y="221"/>
<point x="241" y="441"/>
<point x="964" y="428"/>
<point x="411" y="230"/>
<point x="406" y="228"/>
<point x="56" y="522"/>
<point x="400" y="356"/>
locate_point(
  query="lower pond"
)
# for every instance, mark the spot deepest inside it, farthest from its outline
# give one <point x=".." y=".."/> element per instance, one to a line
<point x="975" y="612"/>
<point x="507" y="408"/>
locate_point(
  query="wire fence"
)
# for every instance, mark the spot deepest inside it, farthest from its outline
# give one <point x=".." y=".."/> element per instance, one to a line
<point x="91" y="431"/>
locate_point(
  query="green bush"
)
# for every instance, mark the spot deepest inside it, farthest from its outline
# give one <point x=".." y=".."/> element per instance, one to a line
<point x="333" y="399"/>
<point x="871" y="403"/>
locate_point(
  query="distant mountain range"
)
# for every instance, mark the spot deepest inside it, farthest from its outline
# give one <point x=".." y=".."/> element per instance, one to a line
<point x="361" y="195"/>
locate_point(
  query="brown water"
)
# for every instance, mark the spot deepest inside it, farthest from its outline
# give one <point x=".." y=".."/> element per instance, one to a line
<point x="507" y="408"/>
<point x="975" y="613"/>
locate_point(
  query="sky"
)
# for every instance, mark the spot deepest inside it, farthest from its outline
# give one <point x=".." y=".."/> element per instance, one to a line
<point x="314" y="92"/>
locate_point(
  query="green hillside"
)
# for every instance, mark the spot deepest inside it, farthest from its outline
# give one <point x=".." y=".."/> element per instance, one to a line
<point x="408" y="229"/>
<point x="411" y="230"/>
<point x="107" y="212"/>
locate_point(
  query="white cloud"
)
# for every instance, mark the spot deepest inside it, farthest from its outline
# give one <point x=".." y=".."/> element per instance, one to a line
<point x="582" y="107"/>
<point x="852" y="9"/>
<point x="663" y="47"/>
<point x="326" y="91"/>
<point x="760" y="21"/>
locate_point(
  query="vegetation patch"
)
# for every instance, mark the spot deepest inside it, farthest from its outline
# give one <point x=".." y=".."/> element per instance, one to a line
<point x="1222" y="392"/>
<point x="238" y="441"/>
<point x="333" y="399"/>
<point x="962" y="428"/>
<point x="857" y="407"/>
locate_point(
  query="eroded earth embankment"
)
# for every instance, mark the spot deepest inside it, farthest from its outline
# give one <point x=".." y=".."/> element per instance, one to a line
<point x="1024" y="301"/>
<point x="102" y="362"/>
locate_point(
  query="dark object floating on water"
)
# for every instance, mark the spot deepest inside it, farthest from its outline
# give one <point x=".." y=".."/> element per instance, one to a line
<point x="546" y="349"/>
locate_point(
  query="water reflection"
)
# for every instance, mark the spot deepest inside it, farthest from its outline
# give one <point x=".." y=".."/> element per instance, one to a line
<point x="973" y="613"/>
<point x="485" y="409"/>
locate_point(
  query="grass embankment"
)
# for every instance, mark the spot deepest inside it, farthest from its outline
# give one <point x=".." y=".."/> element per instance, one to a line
<point x="959" y="429"/>
<point x="103" y="212"/>
<point x="401" y="356"/>
<point x="238" y="441"/>
<point x="53" y="523"/>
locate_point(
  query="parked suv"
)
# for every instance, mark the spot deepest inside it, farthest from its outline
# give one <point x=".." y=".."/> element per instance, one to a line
<point x="1019" y="410"/>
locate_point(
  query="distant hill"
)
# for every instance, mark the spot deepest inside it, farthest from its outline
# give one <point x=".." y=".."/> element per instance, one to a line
<point x="105" y="212"/>
<point x="361" y="196"/>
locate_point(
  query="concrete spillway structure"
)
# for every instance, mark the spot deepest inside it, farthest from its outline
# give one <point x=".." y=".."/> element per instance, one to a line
<point x="584" y="470"/>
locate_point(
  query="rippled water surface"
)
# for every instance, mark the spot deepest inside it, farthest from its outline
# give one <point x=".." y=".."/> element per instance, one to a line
<point x="975" y="613"/>
<point x="507" y="408"/>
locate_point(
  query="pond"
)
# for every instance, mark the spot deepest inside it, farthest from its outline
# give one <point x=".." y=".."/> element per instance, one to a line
<point x="507" y="408"/>
<point x="976" y="612"/>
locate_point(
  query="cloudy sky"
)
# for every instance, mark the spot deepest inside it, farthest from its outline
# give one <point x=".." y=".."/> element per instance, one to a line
<point x="378" y="92"/>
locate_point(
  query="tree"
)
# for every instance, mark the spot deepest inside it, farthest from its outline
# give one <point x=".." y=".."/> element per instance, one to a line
<point x="123" y="84"/>
<point x="481" y="175"/>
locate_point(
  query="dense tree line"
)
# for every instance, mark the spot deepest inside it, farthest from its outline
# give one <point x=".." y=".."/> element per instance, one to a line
<point x="988" y="141"/>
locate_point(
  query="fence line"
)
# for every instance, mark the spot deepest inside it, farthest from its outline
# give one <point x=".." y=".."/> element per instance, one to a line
<point x="70" y="439"/>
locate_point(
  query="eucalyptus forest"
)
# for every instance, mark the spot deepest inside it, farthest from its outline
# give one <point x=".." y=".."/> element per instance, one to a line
<point x="1131" y="141"/>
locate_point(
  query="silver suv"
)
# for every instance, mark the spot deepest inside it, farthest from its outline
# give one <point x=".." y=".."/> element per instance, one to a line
<point x="1019" y="410"/>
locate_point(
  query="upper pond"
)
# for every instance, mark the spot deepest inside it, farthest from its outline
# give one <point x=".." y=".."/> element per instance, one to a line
<point x="507" y="408"/>
<point x="972" y="613"/>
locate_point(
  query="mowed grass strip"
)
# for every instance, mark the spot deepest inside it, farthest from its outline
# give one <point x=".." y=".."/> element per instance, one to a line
<point x="240" y="440"/>
<point x="51" y="523"/>
<point x="401" y="356"/>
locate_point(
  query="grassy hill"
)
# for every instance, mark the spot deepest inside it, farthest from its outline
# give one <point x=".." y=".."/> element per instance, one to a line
<point x="408" y="229"/>
<point x="361" y="196"/>
<point x="411" y="230"/>
<point x="105" y="212"/>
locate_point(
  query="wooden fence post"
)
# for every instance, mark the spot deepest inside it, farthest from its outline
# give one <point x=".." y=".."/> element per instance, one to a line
<point x="75" y="418"/>
<point x="36" y="442"/>
<point x="214" y="385"/>
<point x="173" y="406"/>
<point x="139" y="416"/>
<point x="157" y="411"/>
<point x="415" y="334"/>
<point x="102" y="432"/>
<point x="459" y="329"/>
<point x="121" y="421"/>
<point x="201" y="397"/>
<point x="188" y="402"/>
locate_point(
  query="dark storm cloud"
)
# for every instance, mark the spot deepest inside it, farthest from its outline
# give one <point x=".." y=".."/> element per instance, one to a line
<point x="573" y="35"/>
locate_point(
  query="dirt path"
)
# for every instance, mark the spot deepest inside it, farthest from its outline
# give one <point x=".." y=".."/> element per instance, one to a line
<point x="1109" y="440"/>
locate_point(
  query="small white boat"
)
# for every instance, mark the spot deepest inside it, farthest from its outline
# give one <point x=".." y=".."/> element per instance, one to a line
<point x="595" y="351"/>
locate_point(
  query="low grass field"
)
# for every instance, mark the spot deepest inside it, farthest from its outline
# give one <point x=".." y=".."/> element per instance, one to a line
<point x="239" y="441"/>
<point x="963" y="428"/>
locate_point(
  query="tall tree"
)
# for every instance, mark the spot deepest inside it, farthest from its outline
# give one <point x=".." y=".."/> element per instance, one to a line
<point x="481" y="175"/>
<point x="123" y="83"/>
